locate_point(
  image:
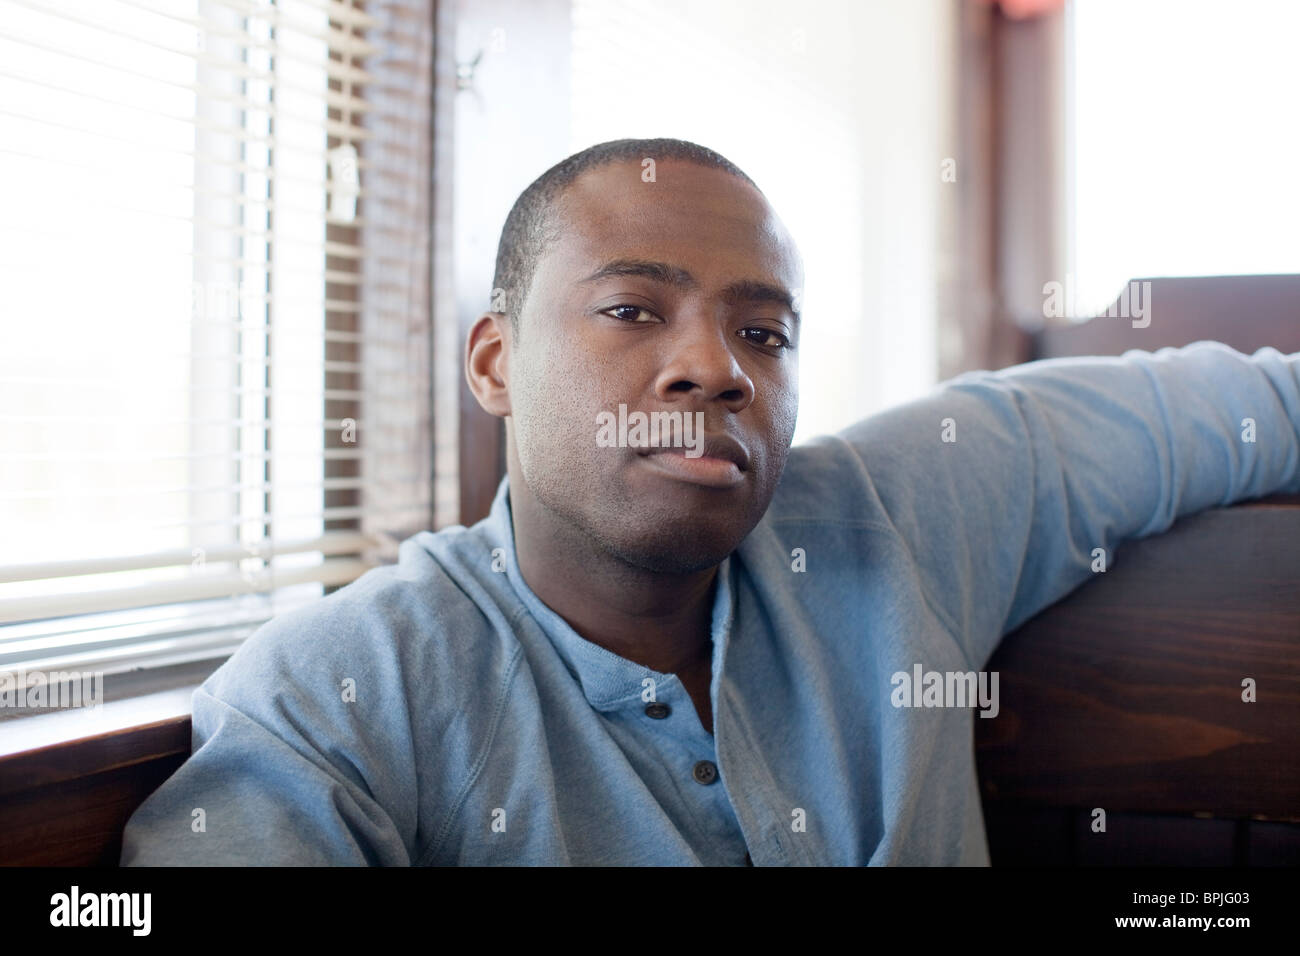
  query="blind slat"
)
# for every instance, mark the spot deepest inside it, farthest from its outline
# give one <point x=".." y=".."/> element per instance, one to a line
<point x="271" y="110"/>
<point x="410" y="513"/>
<point x="330" y="572"/>
<point x="49" y="361"/>
<point x="328" y="484"/>
<point x="282" y="237"/>
<point x="339" y="542"/>
<point x="211" y="645"/>
<point x="334" y="68"/>
<point x="275" y="17"/>
<point x="329" y="454"/>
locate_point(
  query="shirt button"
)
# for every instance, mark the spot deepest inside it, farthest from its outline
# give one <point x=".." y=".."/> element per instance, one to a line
<point x="657" y="710"/>
<point x="705" y="772"/>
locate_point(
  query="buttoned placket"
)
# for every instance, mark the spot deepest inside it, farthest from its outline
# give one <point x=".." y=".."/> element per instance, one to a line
<point x="667" y="722"/>
<point x="738" y="757"/>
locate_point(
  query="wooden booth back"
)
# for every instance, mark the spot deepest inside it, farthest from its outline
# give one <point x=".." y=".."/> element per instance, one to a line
<point x="1126" y="696"/>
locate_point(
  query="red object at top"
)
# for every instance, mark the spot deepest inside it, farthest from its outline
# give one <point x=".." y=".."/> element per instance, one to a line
<point x="1024" y="9"/>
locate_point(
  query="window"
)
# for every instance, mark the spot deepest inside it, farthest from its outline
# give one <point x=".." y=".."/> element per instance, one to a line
<point x="1183" y="135"/>
<point x="214" y="263"/>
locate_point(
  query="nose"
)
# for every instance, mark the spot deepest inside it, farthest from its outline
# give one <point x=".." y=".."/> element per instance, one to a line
<point x="701" y="361"/>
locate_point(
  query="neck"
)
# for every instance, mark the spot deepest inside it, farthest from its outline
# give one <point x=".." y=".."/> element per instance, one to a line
<point x="661" y="621"/>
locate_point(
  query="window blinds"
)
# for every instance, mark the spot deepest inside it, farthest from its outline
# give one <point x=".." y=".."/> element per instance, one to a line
<point x="214" y="284"/>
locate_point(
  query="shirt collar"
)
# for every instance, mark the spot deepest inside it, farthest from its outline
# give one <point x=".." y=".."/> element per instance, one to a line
<point x="609" y="681"/>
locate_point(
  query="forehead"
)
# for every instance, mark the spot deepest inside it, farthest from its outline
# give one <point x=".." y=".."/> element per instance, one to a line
<point x="705" y="220"/>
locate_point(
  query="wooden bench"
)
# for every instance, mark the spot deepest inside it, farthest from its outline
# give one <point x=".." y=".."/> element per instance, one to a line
<point x="1126" y="695"/>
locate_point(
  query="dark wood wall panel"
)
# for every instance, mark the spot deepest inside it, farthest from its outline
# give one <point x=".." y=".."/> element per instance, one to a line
<point x="1127" y="694"/>
<point x="67" y="805"/>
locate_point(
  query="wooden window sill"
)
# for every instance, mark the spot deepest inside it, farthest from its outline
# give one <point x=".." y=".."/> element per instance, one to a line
<point x="69" y="781"/>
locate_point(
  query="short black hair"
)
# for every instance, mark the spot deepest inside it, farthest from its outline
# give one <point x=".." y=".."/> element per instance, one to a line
<point x="531" y="223"/>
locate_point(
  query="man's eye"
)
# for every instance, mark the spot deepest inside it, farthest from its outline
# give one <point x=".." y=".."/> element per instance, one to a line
<point x="766" y="338"/>
<point x="629" y="313"/>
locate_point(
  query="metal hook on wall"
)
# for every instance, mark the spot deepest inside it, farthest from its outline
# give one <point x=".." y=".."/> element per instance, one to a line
<point x="465" y="72"/>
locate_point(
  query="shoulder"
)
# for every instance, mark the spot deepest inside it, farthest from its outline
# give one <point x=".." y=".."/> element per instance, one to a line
<point x="825" y="481"/>
<point x="434" y="626"/>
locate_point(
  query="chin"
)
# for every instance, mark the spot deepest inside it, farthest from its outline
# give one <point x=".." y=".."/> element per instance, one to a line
<point x="656" y="530"/>
<point x="676" y="556"/>
<point x="676" y="545"/>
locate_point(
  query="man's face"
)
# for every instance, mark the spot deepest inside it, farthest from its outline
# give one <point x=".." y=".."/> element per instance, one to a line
<point x="661" y="296"/>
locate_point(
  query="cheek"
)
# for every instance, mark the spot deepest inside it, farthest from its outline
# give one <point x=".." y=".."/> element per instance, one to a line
<point x="555" y="406"/>
<point x="783" y="414"/>
<point x="784" y="411"/>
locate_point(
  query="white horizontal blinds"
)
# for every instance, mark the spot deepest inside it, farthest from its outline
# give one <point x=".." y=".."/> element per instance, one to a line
<point x="189" y="366"/>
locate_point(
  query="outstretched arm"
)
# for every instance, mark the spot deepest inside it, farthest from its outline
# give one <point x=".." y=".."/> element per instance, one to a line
<point x="1003" y="483"/>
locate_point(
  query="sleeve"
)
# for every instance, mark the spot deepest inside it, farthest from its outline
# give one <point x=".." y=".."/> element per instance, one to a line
<point x="286" y="769"/>
<point x="1002" y="484"/>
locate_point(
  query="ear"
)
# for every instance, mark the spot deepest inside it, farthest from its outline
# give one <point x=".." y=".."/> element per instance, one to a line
<point x="487" y="362"/>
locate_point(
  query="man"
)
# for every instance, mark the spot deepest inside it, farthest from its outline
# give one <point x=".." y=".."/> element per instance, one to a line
<point x="683" y="652"/>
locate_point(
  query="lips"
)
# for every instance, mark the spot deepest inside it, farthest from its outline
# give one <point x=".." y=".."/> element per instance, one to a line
<point x="722" y="464"/>
<point x="719" y="446"/>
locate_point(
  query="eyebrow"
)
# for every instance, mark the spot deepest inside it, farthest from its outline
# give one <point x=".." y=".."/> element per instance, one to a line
<point x="743" y="290"/>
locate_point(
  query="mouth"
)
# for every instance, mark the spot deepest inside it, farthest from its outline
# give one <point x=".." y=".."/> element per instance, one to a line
<point x="722" y="465"/>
